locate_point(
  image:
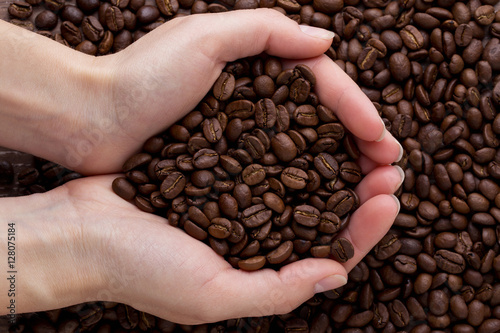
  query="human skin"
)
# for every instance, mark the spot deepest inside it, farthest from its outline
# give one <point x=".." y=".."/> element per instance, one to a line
<point x="80" y="242"/>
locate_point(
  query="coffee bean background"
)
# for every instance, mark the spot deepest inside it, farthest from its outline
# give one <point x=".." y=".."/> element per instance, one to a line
<point x="432" y="70"/>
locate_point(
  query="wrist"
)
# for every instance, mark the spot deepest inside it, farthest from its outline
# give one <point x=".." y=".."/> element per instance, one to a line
<point x="50" y="95"/>
<point x="56" y="263"/>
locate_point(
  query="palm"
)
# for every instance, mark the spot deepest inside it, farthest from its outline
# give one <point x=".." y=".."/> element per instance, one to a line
<point x="161" y="270"/>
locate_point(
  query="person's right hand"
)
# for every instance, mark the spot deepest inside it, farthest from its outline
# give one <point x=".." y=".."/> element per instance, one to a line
<point x="81" y="242"/>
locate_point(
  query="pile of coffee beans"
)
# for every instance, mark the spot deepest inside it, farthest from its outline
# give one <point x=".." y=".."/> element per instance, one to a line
<point x="432" y="70"/>
<point x="260" y="170"/>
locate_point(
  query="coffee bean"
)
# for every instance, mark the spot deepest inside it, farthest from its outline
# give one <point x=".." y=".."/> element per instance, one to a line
<point x="205" y="159"/>
<point x="342" y="250"/>
<point x="114" y="18"/>
<point x="449" y="261"/>
<point x="412" y="37"/>
<point x="173" y="185"/>
<point x="265" y="113"/>
<point x="294" y="178"/>
<point x="71" y="33"/>
<point x="220" y="228"/>
<point x="20" y="9"/>
<point x="281" y="253"/>
<point x="306" y="215"/>
<point x="46" y="20"/>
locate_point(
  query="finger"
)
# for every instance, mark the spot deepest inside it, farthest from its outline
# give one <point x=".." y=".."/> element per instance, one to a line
<point x="233" y="35"/>
<point x="268" y="292"/>
<point x="387" y="151"/>
<point x="337" y="91"/>
<point x="368" y="224"/>
<point x="382" y="180"/>
<point x="366" y="164"/>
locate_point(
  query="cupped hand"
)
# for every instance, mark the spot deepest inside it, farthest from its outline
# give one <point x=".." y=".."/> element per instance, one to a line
<point x="159" y="269"/>
<point x="161" y="77"/>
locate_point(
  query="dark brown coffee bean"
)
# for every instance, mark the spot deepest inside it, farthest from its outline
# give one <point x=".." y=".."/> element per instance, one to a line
<point x="484" y="15"/>
<point x="305" y="115"/>
<point x="71" y="33"/>
<point x="326" y="165"/>
<point x="306" y="215"/>
<point x="114" y="18"/>
<point x="274" y="202"/>
<point x="205" y="159"/>
<point x="399" y="65"/>
<point x="342" y="202"/>
<point x="147" y="14"/>
<point x="224" y="86"/>
<point x="294" y="178"/>
<point x="264" y="86"/>
<point x="254" y="146"/>
<point x="220" y="228"/>
<point x="265" y="113"/>
<point x="342" y="250"/>
<point x="299" y="90"/>
<point x="124" y="188"/>
<point x="449" y="261"/>
<point x="20" y="9"/>
<point x="212" y="130"/>
<point x="46" y="20"/>
<point x="252" y="264"/>
<point x="122" y="40"/>
<point x="168" y="7"/>
<point x="405" y="264"/>
<point x="350" y="172"/>
<point x="253" y="174"/>
<point x="283" y="147"/>
<point x="281" y="253"/>
<point x="173" y="185"/>
<point x="412" y="37"/>
<point x="256" y="216"/>
<point x="387" y="247"/>
<point x="92" y="29"/>
<point x="398" y="313"/>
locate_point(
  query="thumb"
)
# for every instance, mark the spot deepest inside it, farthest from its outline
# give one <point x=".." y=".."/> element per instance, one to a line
<point x="267" y="292"/>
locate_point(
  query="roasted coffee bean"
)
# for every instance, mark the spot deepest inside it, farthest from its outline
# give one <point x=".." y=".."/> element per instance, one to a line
<point x="388" y="246"/>
<point x="252" y="264"/>
<point x="205" y="159"/>
<point x="173" y="185"/>
<point x="306" y="215"/>
<point x="114" y="18"/>
<point x="294" y="178"/>
<point x="326" y="165"/>
<point x="265" y="113"/>
<point x="342" y="202"/>
<point x="342" y="250"/>
<point x="220" y="228"/>
<point x="281" y="253"/>
<point x="253" y="174"/>
<point x="449" y="261"/>
<point x="412" y="37"/>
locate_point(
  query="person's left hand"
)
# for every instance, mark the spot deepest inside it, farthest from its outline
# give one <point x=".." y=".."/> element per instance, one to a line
<point x="165" y="74"/>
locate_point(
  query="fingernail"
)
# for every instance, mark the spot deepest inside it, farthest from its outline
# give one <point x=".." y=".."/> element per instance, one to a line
<point x="401" y="174"/>
<point x="382" y="136"/>
<point x="397" y="201"/>
<point x="316" y="32"/>
<point x="400" y="155"/>
<point x="329" y="283"/>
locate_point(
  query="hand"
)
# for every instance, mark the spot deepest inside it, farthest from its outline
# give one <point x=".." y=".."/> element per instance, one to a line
<point x="96" y="112"/>
<point x="81" y="242"/>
